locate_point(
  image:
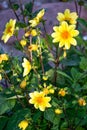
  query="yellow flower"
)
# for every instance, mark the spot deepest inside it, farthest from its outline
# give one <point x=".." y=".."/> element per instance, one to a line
<point x="27" y="67"/>
<point x="9" y="30"/>
<point x="82" y="102"/>
<point x="33" y="47"/>
<point x="40" y="100"/>
<point x="51" y="91"/>
<point x="35" y="21"/>
<point x="62" y="92"/>
<point x="3" y="57"/>
<point x="68" y="17"/>
<point x="0" y="77"/>
<point x="23" y="43"/>
<point x="41" y="14"/>
<point x="58" y="111"/>
<point x="45" y="77"/>
<point x="23" y="124"/>
<point x="64" y="34"/>
<point x="32" y="32"/>
<point x="23" y="84"/>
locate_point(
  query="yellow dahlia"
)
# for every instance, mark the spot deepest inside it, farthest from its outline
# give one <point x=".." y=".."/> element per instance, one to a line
<point x="3" y="57"/>
<point x="35" y="21"/>
<point x="23" y="125"/>
<point x="68" y="17"/>
<point x="64" y="34"/>
<point x="9" y="30"/>
<point x="27" y="67"/>
<point x="40" y="100"/>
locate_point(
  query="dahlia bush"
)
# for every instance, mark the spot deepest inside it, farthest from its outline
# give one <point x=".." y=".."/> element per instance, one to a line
<point x="46" y="87"/>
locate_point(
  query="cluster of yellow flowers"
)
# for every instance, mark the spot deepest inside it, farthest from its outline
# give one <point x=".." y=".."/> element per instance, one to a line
<point x="64" y="33"/>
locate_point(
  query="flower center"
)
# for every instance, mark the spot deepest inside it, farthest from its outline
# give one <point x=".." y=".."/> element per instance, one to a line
<point x="9" y="29"/>
<point x="39" y="100"/>
<point x="65" y="35"/>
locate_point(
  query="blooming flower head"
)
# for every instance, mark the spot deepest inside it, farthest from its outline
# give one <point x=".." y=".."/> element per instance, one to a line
<point x="23" y="84"/>
<point x="3" y="57"/>
<point x="33" y="47"/>
<point x="35" y="21"/>
<point x="64" y="34"/>
<point x="62" y="92"/>
<point x="58" y="111"/>
<point x="27" y="67"/>
<point x="40" y="100"/>
<point x="9" y="30"/>
<point x="23" y="125"/>
<point x="82" y="102"/>
<point x="68" y="17"/>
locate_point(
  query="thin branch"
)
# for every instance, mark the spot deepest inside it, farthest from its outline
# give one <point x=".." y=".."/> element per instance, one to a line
<point x="14" y="11"/>
<point x="21" y="7"/>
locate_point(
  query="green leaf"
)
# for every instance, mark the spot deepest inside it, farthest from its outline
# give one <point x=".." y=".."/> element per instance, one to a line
<point x="21" y="25"/>
<point x="6" y="105"/>
<point x="64" y="74"/>
<point x="29" y="7"/>
<point x="15" y="6"/>
<point x="80" y="128"/>
<point x="83" y="63"/>
<point x="75" y="74"/>
<point x="49" y="115"/>
<point x="3" y="121"/>
<point x="82" y="21"/>
<point x="17" y="117"/>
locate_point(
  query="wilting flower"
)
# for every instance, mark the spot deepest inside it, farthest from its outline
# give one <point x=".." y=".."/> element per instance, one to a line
<point x="23" y="84"/>
<point x="32" y="32"/>
<point x="82" y="102"/>
<point x="40" y="100"/>
<point x="23" y="125"/>
<point x="33" y="47"/>
<point x="27" y="67"/>
<point x="58" y="111"/>
<point x="23" y="42"/>
<point x="64" y="34"/>
<point x="62" y="92"/>
<point x="3" y="57"/>
<point x="68" y="17"/>
<point x="9" y="30"/>
<point x="35" y="21"/>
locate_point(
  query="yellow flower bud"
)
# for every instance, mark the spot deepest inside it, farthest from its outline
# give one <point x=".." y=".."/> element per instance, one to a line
<point x="58" y="111"/>
<point x="33" y="47"/>
<point x="23" y="84"/>
<point x="51" y="91"/>
<point x="0" y="77"/>
<point x="62" y="92"/>
<point x="23" y="43"/>
<point x="82" y="102"/>
<point x="45" y="77"/>
<point x="23" y="124"/>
